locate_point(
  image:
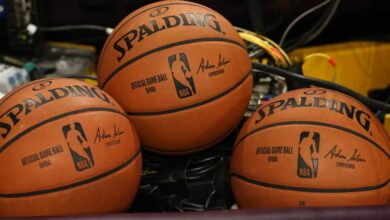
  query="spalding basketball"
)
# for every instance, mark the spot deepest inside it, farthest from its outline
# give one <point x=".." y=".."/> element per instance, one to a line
<point x="66" y="148"/>
<point x="311" y="147"/>
<point x="180" y="71"/>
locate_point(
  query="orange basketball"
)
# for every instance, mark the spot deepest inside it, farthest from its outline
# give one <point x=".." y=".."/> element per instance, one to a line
<point x="311" y="147"/>
<point x="66" y="148"/>
<point x="180" y="71"/>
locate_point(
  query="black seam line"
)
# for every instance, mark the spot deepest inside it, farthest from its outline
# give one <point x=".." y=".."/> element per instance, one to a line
<point x="76" y="184"/>
<point x="306" y="189"/>
<point x="141" y="12"/>
<point x="314" y="123"/>
<point x="21" y="134"/>
<point x="193" y="105"/>
<point x="179" y="43"/>
<point x="193" y="149"/>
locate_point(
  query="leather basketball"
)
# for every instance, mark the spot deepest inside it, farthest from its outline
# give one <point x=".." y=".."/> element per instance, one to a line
<point x="311" y="147"/>
<point x="181" y="72"/>
<point x="66" y="148"/>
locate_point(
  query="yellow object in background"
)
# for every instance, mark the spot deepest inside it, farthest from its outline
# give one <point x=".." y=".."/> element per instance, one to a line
<point x="360" y="66"/>
<point x="387" y="124"/>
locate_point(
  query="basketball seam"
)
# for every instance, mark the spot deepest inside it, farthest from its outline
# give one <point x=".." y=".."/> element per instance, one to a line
<point x="194" y="149"/>
<point x="127" y="21"/>
<point x="307" y="189"/>
<point x="313" y="123"/>
<point x="24" y="132"/>
<point x="193" y="105"/>
<point x="167" y="46"/>
<point x="73" y="185"/>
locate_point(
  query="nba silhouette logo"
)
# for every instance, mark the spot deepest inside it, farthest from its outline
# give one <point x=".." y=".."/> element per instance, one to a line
<point x="78" y="146"/>
<point x="309" y="146"/>
<point x="181" y="74"/>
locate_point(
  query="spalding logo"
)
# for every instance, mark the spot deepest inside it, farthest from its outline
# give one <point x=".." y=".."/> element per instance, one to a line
<point x="158" y="11"/>
<point x="41" y="85"/>
<point x="350" y="111"/>
<point x="12" y="116"/>
<point x="126" y="42"/>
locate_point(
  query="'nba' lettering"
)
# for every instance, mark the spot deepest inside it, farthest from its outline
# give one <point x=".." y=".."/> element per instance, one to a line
<point x="350" y="111"/>
<point x="126" y="42"/>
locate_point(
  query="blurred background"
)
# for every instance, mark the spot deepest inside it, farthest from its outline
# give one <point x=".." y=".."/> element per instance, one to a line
<point x="353" y="20"/>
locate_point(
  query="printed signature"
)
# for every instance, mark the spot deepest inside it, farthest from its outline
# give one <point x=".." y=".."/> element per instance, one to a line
<point x="337" y="153"/>
<point x="102" y="134"/>
<point x="205" y="64"/>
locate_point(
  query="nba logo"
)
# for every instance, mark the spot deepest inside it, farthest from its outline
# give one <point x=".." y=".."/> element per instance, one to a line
<point x="78" y="146"/>
<point x="182" y="76"/>
<point x="309" y="146"/>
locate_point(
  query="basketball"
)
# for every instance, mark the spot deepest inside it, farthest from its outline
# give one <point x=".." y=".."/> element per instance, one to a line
<point x="66" y="148"/>
<point x="311" y="147"/>
<point x="181" y="72"/>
